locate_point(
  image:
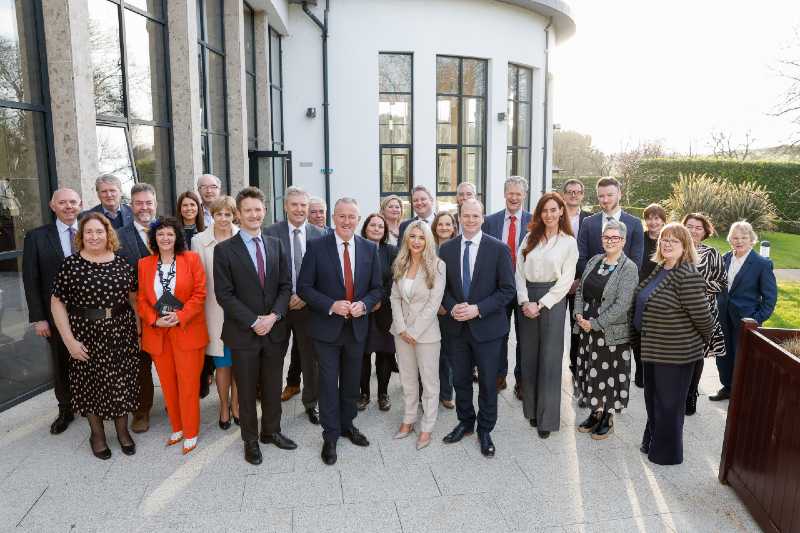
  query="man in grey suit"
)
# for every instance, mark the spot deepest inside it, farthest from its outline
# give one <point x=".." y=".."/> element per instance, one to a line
<point x="133" y="246"/>
<point x="109" y="192"/>
<point x="294" y="233"/>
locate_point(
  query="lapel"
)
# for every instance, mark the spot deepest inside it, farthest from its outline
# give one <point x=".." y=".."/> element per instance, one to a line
<point x="748" y="264"/>
<point x="152" y="269"/>
<point x="283" y="234"/>
<point x="360" y="254"/>
<point x="419" y="278"/>
<point x="55" y="242"/>
<point x="240" y="249"/>
<point x="481" y="252"/>
<point x="333" y="252"/>
<point x="525" y="219"/>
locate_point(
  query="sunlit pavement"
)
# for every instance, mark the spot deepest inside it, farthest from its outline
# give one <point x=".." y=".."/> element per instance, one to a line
<point x="565" y="483"/>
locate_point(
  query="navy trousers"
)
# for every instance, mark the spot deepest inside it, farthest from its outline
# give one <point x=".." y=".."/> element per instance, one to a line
<point x="665" y="390"/>
<point x="465" y="353"/>
<point x="502" y="370"/>
<point x="725" y="365"/>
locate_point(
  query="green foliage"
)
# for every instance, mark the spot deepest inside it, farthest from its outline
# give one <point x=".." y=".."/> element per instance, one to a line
<point x="787" y="310"/>
<point x="696" y="193"/>
<point x="747" y="201"/>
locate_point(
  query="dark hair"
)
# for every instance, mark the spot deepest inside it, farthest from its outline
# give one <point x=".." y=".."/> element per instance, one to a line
<point x="609" y="182"/>
<point x="536" y="227"/>
<point x="655" y="210"/>
<point x="708" y="227"/>
<point x="572" y="181"/>
<point x="199" y="219"/>
<point x="385" y="227"/>
<point x="112" y="242"/>
<point x="435" y="223"/>
<point x="249" y="192"/>
<point x="166" y="222"/>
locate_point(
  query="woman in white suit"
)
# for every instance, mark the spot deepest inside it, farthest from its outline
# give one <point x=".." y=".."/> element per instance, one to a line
<point x="417" y="290"/>
<point x="223" y="212"/>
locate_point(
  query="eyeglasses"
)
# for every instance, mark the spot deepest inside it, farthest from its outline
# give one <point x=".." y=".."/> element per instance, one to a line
<point x="211" y="187"/>
<point x="613" y="239"/>
<point x="671" y="242"/>
<point x="573" y="193"/>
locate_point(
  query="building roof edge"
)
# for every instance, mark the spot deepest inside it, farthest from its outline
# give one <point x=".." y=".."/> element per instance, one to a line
<point x="559" y="10"/>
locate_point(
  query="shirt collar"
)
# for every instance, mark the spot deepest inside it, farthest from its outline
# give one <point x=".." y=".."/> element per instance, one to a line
<point x="339" y="240"/>
<point x="247" y="237"/>
<point x="428" y="219"/>
<point x="292" y="227"/>
<point x="108" y="212"/>
<point x="518" y="214"/>
<point x="741" y="260"/>
<point x="476" y="240"/>
<point x="139" y="227"/>
<point x="63" y="227"/>
<point x="615" y="215"/>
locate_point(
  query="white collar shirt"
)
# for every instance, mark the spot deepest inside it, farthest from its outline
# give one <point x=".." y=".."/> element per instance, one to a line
<point x="291" y="227"/>
<point x="142" y="231"/>
<point x="64" y="237"/>
<point x="428" y="219"/>
<point x="575" y="222"/>
<point x="615" y="215"/>
<point x="736" y="266"/>
<point x="351" y="251"/>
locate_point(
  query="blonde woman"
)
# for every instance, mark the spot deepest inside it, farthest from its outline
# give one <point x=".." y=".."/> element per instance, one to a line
<point x="392" y="211"/>
<point x="417" y="290"/>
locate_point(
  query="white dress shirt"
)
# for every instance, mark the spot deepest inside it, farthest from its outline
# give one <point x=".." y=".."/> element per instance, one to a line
<point x="63" y="236"/>
<point x="507" y="224"/>
<point x="553" y="260"/>
<point x="428" y="219"/>
<point x="473" y="253"/>
<point x="575" y="222"/>
<point x="208" y="218"/>
<point x="736" y="266"/>
<point x="351" y="250"/>
<point x="157" y="282"/>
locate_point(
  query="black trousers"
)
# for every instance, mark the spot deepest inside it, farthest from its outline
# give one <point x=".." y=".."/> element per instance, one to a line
<point x="725" y="365"/>
<point x="384" y="361"/>
<point x="295" y="367"/>
<point x="574" y="338"/>
<point x="465" y="353"/>
<point x="299" y="322"/>
<point x="665" y="390"/>
<point x="253" y="367"/>
<point x="696" y="375"/>
<point x="145" y="379"/>
<point x="339" y="377"/>
<point x="60" y="359"/>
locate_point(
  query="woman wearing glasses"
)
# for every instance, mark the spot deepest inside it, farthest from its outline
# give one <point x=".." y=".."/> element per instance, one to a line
<point x="602" y="304"/>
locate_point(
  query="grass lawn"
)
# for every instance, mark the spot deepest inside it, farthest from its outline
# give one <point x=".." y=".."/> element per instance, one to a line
<point x="784" y="248"/>
<point x="787" y="311"/>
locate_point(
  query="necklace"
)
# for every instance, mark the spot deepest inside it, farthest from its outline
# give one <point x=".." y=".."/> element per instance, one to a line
<point x="606" y="269"/>
<point x="166" y="281"/>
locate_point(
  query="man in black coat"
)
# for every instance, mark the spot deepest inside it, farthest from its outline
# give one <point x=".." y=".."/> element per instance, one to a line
<point x="253" y="285"/>
<point x="44" y="250"/>
<point x="109" y="192"/>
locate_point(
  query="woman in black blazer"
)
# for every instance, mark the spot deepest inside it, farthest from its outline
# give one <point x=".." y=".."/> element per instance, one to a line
<point x="379" y="340"/>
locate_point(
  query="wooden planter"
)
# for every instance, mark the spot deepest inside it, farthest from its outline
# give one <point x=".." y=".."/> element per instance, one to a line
<point x="761" y="450"/>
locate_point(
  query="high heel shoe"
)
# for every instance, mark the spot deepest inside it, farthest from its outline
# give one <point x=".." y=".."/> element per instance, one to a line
<point x="423" y="443"/>
<point x="401" y="434"/>
<point x="127" y="449"/>
<point x="225" y="424"/>
<point x="102" y="454"/>
<point x="175" y="438"/>
<point x="189" y="445"/>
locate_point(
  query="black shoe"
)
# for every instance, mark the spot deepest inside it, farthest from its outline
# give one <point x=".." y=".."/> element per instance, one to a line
<point x="533" y="422"/>
<point x="691" y="404"/>
<point x="103" y="454"/>
<point x="588" y="425"/>
<point x="543" y="434"/>
<point x="280" y="440"/>
<point x="252" y="453"/>
<point x="644" y="448"/>
<point x="604" y="428"/>
<point x="127" y="449"/>
<point x="329" y="453"/>
<point x="313" y="415"/>
<point x="723" y="394"/>
<point x="356" y="437"/>
<point x="384" y="403"/>
<point x="487" y="446"/>
<point x="458" y="433"/>
<point x="236" y="420"/>
<point x="204" y="387"/>
<point x="362" y="402"/>
<point x="224" y="425"/>
<point x="638" y="379"/>
<point x="62" y="422"/>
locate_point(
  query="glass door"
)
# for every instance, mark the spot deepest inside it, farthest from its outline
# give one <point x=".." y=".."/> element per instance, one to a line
<point x="271" y="171"/>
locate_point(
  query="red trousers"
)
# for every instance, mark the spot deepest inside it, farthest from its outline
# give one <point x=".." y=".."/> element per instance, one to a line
<point x="179" y="374"/>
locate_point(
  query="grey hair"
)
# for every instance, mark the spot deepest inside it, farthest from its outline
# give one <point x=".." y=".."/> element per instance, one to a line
<point x="143" y="187"/>
<point x="294" y="190"/>
<point x="345" y="200"/>
<point x="111" y="179"/>
<point x="619" y="226"/>
<point x="516" y="180"/>
<point x="466" y="184"/>
<point x="742" y="226"/>
<point x="317" y="200"/>
<point x="197" y="183"/>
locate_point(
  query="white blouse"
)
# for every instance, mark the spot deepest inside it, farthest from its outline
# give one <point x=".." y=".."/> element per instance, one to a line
<point x="553" y="260"/>
<point x="159" y="289"/>
<point x="405" y="286"/>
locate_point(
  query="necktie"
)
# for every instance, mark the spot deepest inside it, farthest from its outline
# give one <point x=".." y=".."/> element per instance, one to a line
<point x="512" y="237"/>
<point x="72" y="248"/>
<point x="348" y="274"/>
<point x="146" y="232"/>
<point x="297" y="256"/>
<point x="466" y="277"/>
<point x="262" y="274"/>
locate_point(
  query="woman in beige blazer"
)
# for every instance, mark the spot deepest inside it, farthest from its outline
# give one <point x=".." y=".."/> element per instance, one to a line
<point x="223" y="211"/>
<point x="417" y="290"/>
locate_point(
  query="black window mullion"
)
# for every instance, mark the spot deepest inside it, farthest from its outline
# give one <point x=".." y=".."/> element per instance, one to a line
<point x="124" y="60"/>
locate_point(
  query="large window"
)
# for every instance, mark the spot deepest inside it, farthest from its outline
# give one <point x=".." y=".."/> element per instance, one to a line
<point x="213" y="107"/>
<point x="395" y="121"/>
<point x="518" y="154"/>
<point x="461" y="87"/>
<point x="250" y="76"/>
<point x="276" y="89"/>
<point x="127" y="47"/>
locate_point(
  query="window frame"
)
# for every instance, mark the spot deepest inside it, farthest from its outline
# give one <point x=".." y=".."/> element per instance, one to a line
<point x="389" y="146"/>
<point x="250" y="76"/>
<point x="513" y="149"/>
<point x="273" y="86"/>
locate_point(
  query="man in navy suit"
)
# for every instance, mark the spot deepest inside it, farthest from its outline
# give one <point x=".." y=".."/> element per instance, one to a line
<point x="479" y="287"/>
<point x="109" y="192"/>
<point x="591" y="231"/>
<point x="510" y="225"/>
<point x="340" y="280"/>
<point x="422" y="203"/>
<point x="317" y="211"/>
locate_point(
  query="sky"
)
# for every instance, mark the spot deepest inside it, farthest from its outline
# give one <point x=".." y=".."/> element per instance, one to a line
<point x="674" y="71"/>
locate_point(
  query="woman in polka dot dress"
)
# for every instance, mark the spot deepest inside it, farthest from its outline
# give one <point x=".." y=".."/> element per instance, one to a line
<point x="602" y="302"/>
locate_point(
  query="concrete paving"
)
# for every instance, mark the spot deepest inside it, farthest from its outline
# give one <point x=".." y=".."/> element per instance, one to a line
<point x="567" y="483"/>
<point x="788" y="274"/>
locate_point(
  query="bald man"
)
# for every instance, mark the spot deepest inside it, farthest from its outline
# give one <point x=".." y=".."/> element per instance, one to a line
<point x="45" y="249"/>
<point x="209" y="187"/>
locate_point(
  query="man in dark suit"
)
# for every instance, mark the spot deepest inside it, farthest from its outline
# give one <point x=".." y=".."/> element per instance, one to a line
<point x="341" y="281"/>
<point x="253" y="284"/>
<point x="133" y="242"/>
<point x="44" y="250"/>
<point x="109" y="192"/>
<point x="464" y="192"/>
<point x="480" y="285"/>
<point x="317" y="213"/>
<point x="294" y="233"/>
<point x="422" y="203"/>
<point x="510" y="225"/>
<point x="591" y="231"/>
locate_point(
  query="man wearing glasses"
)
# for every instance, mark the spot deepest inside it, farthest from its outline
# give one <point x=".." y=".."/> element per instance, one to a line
<point x="209" y="187"/>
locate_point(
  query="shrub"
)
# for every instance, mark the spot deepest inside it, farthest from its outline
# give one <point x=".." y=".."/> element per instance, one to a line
<point x="788" y="226"/>
<point x="792" y="345"/>
<point x="748" y="201"/>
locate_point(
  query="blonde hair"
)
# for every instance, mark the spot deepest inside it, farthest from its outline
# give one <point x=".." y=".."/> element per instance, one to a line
<point x="429" y="259"/>
<point x="222" y="203"/>
<point x="385" y="201"/>
<point x="678" y="231"/>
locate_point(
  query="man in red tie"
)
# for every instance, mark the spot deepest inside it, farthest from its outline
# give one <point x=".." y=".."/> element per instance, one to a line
<point x="510" y="226"/>
<point x="340" y="280"/>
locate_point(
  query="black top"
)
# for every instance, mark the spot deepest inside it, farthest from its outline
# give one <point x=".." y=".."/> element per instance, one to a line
<point x="188" y="233"/>
<point x="647" y="261"/>
<point x="595" y="284"/>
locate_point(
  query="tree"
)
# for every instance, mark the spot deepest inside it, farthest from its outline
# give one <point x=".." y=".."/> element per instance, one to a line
<point x="723" y="145"/>
<point x="625" y="163"/>
<point x="574" y="154"/>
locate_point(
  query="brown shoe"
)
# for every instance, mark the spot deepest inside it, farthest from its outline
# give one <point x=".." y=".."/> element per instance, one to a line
<point x="140" y="422"/>
<point x="289" y="391"/>
<point x="518" y="391"/>
<point x="501" y="383"/>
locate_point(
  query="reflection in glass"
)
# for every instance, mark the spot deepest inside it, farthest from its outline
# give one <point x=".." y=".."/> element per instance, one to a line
<point x="446" y="169"/>
<point x="394" y="119"/>
<point x="473" y="121"/>
<point x="519" y="121"/>
<point x="218" y="145"/>
<point x="474" y="77"/>
<point x="525" y="84"/>
<point x="447" y="120"/>
<point x="473" y="166"/>
<point x="145" y="56"/>
<point x="447" y="75"/>
<point x="216" y="92"/>
<point x="249" y="44"/>
<point x="395" y="170"/>
<point x="394" y="73"/>
<point x="150" y="146"/>
<point x="104" y="48"/>
<point x="19" y="54"/>
<point x="153" y="7"/>
<point x="252" y="125"/>
<point x="113" y="156"/>
<point x="277" y="119"/>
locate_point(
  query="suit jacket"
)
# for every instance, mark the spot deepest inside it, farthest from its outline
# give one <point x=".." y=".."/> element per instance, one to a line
<point x="280" y="230"/>
<point x="41" y="260"/>
<point x="416" y="313"/>
<point x="493" y="288"/>
<point x="190" y="288"/>
<point x="582" y="215"/>
<point x="493" y="225"/>
<point x="387" y="253"/>
<point x="754" y="291"/>
<point x="241" y="296"/>
<point x="403" y="225"/>
<point x="321" y="283"/>
<point x="590" y="239"/>
<point x="125" y="211"/>
<point x="132" y="247"/>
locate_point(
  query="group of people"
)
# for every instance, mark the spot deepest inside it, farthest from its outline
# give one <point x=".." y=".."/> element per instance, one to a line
<point x="212" y="291"/>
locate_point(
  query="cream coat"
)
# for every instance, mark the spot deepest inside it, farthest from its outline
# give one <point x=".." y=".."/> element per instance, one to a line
<point x="204" y="243"/>
<point x="416" y="314"/>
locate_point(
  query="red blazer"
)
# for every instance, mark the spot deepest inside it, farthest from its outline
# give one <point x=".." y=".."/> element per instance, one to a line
<point x="190" y="288"/>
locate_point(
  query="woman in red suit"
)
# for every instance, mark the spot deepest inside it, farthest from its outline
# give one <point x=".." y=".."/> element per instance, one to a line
<point x="172" y="292"/>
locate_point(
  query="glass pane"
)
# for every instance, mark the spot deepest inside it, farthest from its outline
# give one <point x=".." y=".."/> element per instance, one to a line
<point x="275" y="76"/>
<point x="153" y="7"/>
<point x="113" y="156"/>
<point x="249" y="44"/>
<point x="394" y="73"/>
<point x="475" y="77"/>
<point x="522" y="163"/>
<point x="151" y="157"/>
<point x="511" y="123"/>
<point x="19" y="53"/>
<point x="525" y="84"/>
<point x="252" y="128"/>
<point x="472" y="166"/>
<point x="106" y="57"/>
<point x="446" y="169"/>
<point x="396" y="170"/>
<point x="276" y="118"/>
<point x="263" y="181"/>
<point x="213" y="18"/>
<point x="201" y="69"/>
<point x="204" y="152"/>
<point x="394" y="118"/>
<point x="146" y="71"/>
<point x="474" y="123"/>
<point x="216" y="92"/>
<point x="447" y="120"/>
<point x="510" y="162"/>
<point x="445" y="203"/>
<point x="23" y="167"/>
<point x="279" y="186"/>
<point x="523" y="121"/>
<point x="447" y="75"/>
<point x="512" y="82"/>
<point x="218" y="156"/>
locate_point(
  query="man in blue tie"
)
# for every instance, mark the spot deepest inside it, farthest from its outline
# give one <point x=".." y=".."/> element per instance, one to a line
<point x="480" y="284"/>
